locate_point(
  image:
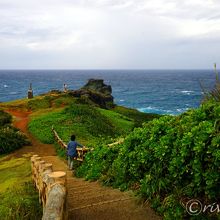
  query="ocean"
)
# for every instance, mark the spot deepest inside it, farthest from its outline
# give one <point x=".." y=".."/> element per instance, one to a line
<point x="153" y="91"/>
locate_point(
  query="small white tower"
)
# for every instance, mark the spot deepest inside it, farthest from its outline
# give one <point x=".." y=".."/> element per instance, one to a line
<point x="65" y="87"/>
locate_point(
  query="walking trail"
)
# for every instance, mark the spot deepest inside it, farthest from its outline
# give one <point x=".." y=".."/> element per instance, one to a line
<point x="85" y="200"/>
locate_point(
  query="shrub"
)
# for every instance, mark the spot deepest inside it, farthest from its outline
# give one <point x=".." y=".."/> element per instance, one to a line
<point x="171" y="159"/>
<point x="5" y="118"/>
<point x="11" y="140"/>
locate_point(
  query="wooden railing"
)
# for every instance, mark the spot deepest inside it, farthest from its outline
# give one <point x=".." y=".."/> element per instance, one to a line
<point x="52" y="189"/>
<point x="81" y="151"/>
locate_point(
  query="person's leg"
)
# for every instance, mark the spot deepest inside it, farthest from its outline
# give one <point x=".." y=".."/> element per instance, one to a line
<point x="71" y="163"/>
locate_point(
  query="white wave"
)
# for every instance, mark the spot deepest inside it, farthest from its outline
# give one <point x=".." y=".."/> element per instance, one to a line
<point x="151" y="109"/>
<point x="5" y="86"/>
<point x="121" y="100"/>
<point x="182" y="109"/>
<point x="13" y="93"/>
<point x="147" y="108"/>
<point x="187" y="92"/>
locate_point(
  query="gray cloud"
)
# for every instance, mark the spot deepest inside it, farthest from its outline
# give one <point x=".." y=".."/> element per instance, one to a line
<point x="109" y="33"/>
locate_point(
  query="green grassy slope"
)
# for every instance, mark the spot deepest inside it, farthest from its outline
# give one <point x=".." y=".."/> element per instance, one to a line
<point x="90" y="124"/>
<point x="18" y="198"/>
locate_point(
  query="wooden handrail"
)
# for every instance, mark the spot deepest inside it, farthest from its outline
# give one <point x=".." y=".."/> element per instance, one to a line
<point x="81" y="151"/>
<point x="52" y="189"/>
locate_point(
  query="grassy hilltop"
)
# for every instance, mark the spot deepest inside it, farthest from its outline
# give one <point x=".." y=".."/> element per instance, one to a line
<point x="91" y="123"/>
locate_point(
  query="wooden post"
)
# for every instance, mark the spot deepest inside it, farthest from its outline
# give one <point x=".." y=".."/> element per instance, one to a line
<point x="56" y="196"/>
<point x="52" y="189"/>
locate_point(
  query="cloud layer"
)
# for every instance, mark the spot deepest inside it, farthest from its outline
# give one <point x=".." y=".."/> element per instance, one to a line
<point x="109" y="34"/>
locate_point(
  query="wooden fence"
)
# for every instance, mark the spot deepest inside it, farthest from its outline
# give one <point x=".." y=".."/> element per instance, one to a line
<point x="52" y="189"/>
<point x="80" y="151"/>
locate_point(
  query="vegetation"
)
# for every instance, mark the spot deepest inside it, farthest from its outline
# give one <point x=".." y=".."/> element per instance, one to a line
<point x="169" y="160"/>
<point x="91" y="125"/>
<point x="10" y="138"/>
<point x="135" y="115"/>
<point x="18" y="199"/>
<point x="49" y="101"/>
<point x="214" y="93"/>
<point x="5" y="118"/>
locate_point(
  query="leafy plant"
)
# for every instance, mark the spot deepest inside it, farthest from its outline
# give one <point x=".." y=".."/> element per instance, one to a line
<point x="5" y="118"/>
<point x="169" y="159"/>
<point x="11" y="140"/>
<point x="10" y="137"/>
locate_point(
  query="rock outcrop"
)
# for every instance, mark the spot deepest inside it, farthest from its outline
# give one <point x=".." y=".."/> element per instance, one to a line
<point x="95" y="92"/>
<point x="98" y="85"/>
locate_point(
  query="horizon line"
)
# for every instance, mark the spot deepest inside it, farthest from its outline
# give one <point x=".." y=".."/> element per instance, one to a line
<point x="104" y="69"/>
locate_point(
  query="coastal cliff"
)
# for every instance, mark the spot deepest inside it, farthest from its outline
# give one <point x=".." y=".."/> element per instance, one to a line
<point x="95" y="92"/>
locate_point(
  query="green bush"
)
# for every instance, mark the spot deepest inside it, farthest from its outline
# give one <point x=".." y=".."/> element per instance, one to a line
<point x="5" y="118"/>
<point x="11" y="140"/>
<point x="171" y="159"/>
<point x="97" y="163"/>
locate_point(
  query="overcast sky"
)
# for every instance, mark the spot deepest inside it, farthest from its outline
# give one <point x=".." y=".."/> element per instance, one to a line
<point x="109" y="34"/>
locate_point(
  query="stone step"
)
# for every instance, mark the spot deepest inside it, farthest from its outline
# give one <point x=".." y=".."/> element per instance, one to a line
<point x="93" y="197"/>
<point x="109" y="210"/>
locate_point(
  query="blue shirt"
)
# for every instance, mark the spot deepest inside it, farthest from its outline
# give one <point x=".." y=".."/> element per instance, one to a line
<point x="71" y="148"/>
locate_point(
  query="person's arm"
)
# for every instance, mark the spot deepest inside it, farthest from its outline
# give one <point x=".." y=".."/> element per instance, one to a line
<point x="78" y="144"/>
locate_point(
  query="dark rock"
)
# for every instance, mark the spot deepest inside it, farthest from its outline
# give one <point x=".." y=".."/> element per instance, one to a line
<point x="95" y="92"/>
<point x="98" y="85"/>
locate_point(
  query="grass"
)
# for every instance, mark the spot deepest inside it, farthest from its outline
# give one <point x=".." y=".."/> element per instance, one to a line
<point x="135" y="115"/>
<point x="91" y="125"/>
<point x="122" y="122"/>
<point x="18" y="198"/>
<point x="13" y="172"/>
<point x="50" y="100"/>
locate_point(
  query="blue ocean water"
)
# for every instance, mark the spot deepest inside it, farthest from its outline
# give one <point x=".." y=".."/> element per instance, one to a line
<point x="157" y="91"/>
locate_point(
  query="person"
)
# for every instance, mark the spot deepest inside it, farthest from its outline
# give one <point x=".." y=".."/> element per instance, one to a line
<point x="71" y="150"/>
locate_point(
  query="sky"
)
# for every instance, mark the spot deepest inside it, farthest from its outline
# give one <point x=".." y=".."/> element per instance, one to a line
<point x="109" y="34"/>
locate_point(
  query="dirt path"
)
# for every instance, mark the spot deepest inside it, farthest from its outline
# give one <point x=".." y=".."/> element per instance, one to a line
<point x="85" y="200"/>
<point x="20" y="121"/>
